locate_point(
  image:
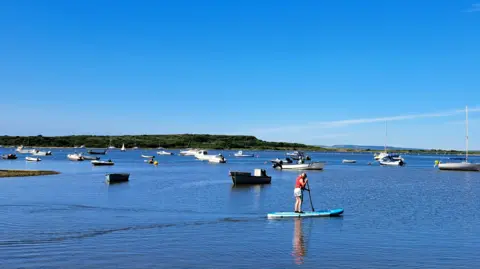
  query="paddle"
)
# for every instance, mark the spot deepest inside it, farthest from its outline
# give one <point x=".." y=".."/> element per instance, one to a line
<point x="310" y="196"/>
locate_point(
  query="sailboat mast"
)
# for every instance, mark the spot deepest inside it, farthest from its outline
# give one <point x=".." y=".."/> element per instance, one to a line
<point x="385" y="147"/>
<point x="466" y="133"/>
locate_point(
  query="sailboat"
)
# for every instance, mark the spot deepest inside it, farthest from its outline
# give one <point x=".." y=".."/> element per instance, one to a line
<point x="387" y="159"/>
<point x="123" y="148"/>
<point x="465" y="165"/>
<point x="111" y="146"/>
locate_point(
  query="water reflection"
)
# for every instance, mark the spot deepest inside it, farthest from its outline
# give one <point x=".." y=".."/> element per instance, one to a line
<point x="299" y="249"/>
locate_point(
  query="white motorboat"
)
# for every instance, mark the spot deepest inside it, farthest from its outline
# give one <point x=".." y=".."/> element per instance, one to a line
<point x="148" y="156"/>
<point x="32" y="159"/>
<point x="464" y="165"/>
<point x="75" y="157"/>
<point x="123" y="148"/>
<point x="203" y="155"/>
<point x="188" y="152"/>
<point x="349" y="161"/>
<point x="135" y="148"/>
<point x="217" y="159"/>
<point x="301" y="166"/>
<point x="240" y="154"/>
<point x="21" y="150"/>
<point x="163" y="152"/>
<point x="391" y="162"/>
<point x="41" y="153"/>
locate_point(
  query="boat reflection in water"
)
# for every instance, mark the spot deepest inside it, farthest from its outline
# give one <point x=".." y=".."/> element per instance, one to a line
<point x="299" y="248"/>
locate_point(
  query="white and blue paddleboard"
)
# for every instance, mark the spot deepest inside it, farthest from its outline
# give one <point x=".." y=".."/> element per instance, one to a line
<point x="307" y="214"/>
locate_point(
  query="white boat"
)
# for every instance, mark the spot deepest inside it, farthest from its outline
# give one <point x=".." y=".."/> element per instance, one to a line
<point x="217" y="159"/>
<point x="111" y="147"/>
<point x="349" y="161"/>
<point x="385" y="155"/>
<point x="163" y="152"/>
<point x="123" y="148"/>
<point x="391" y="162"/>
<point x="102" y="163"/>
<point x="75" y="157"/>
<point x="21" y="150"/>
<point x="41" y="153"/>
<point x="32" y="159"/>
<point x="135" y="147"/>
<point x="240" y="154"/>
<point x="203" y="155"/>
<point x="302" y="166"/>
<point x="465" y="165"/>
<point x="188" y="152"/>
<point x="148" y="156"/>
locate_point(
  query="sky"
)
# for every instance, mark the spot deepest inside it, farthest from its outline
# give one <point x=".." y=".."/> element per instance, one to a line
<point x="315" y="72"/>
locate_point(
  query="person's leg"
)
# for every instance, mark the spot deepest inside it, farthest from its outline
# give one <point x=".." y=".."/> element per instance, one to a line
<point x="297" y="203"/>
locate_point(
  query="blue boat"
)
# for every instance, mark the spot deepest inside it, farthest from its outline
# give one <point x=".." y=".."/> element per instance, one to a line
<point x="307" y="214"/>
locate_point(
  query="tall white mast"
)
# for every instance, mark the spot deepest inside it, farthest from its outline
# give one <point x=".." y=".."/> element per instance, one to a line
<point x="466" y="134"/>
<point x="385" y="137"/>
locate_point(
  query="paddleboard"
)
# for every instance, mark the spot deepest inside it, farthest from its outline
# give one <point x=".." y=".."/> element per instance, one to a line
<point x="307" y="214"/>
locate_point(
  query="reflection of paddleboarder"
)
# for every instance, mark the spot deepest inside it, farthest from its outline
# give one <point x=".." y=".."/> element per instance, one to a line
<point x="299" y="249"/>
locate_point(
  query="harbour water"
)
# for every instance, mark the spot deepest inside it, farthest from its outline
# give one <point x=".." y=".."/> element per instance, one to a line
<point x="185" y="213"/>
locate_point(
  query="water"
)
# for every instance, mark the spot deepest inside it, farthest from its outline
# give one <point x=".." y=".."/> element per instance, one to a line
<point x="185" y="213"/>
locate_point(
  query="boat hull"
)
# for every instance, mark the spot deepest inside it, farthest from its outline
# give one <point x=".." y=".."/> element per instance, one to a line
<point x="303" y="166"/>
<point x="100" y="163"/>
<point x="459" y="166"/>
<point x="349" y="161"/>
<point x="117" y="178"/>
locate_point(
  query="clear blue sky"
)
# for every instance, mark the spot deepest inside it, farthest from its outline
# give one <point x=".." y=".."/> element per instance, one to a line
<point x="280" y="70"/>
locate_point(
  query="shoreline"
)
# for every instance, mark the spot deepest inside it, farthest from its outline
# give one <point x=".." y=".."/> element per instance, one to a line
<point x="25" y="173"/>
<point x="323" y="150"/>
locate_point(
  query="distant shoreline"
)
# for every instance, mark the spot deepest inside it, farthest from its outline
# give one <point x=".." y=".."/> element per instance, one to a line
<point x="330" y="150"/>
<point x="183" y="141"/>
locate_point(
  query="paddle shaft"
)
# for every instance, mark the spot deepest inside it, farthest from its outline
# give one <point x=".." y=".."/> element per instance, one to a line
<point x="310" y="196"/>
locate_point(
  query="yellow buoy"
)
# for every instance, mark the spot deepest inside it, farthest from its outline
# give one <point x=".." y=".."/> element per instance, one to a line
<point x="155" y="163"/>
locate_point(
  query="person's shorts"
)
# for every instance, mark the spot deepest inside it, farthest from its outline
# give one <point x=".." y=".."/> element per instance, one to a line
<point x="297" y="192"/>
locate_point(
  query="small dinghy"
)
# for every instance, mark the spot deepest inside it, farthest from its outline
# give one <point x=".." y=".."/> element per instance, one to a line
<point x="32" y="159"/>
<point x="117" y="177"/>
<point x="148" y="156"/>
<point x="91" y="158"/>
<point x="391" y="162"/>
<point x="41" y="153"/>
<point x="307" y="214"/>
<point x="241" y="154"/>
<point x="102" y="163"/>
<point x="349" y="161"/>
<point x="163" y="152"/>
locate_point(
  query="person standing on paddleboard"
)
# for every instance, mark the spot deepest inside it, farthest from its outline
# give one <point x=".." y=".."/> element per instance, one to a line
<point x="300" y="184"/>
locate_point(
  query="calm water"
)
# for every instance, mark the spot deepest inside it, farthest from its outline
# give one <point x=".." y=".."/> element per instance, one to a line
<point x="186" y="214"/>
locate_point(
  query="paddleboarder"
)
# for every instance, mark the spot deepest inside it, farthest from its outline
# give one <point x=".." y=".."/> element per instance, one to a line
<point x="300" y="184"/>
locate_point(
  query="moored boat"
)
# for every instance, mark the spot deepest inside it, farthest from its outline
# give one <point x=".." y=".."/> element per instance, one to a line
<point x="300" y="166"/>
<point x="117" y="177"/>
<point x="217" y="159"/>
<point x="163" y="152"/>
<point x="188" y="152"/>
<point x="286" y="160"/>
<point x="260" y="177"/>
<point x="123" y="148"/>
<point x="93" y="152"/>
<point x="148" y="156"/>
<point x="32" y="159"/>
<point x="349" y="161"/>
<point x="90" y="158"/>
<point x="75" y="157"/>
<point x="9" y="157"/>
<point x="464" y="165"/>
<point x="241" y="154"/>
<point x="389" y="161"/>
<point x="102" y="163"/>
<point x="41" y="153"/>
